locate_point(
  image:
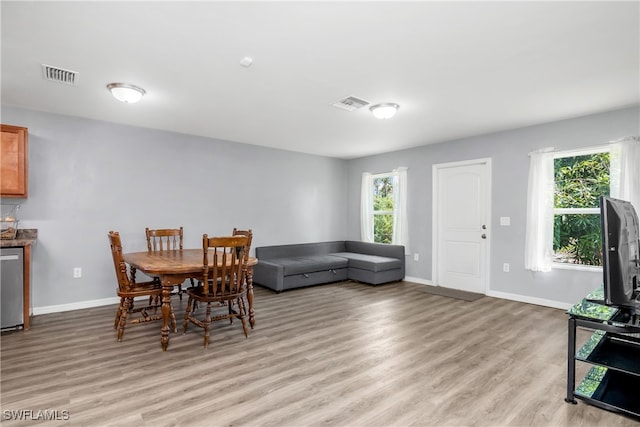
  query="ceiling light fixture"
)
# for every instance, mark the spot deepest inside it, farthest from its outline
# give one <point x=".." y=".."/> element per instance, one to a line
<point x="246" y="61"/>
<point x="384" y="111"/>
<point x="127" y="93"/>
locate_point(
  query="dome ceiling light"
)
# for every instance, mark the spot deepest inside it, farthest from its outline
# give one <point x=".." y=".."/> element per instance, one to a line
<point x="384" y="111"/>
<point x="126" y="93"/>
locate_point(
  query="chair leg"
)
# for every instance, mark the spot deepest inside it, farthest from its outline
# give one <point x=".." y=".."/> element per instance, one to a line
<point x="123" y="317"/>
<point x="154" y="302"/>
<point x="180" y="292"/>
<point x="118" y="313"/>
<point x="207" y="325"/>
<point x="187" y="312"/>
<point x="242" y="313"/>
<point x="173" y="320"/>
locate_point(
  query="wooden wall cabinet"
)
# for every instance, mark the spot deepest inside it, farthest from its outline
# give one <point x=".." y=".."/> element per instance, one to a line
<point x="13" y="162"/>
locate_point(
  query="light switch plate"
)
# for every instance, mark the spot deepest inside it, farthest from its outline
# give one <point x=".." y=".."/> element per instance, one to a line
<point x="505" y="220"/>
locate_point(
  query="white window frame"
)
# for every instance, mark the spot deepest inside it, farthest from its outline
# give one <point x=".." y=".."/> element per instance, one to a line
<point x="578" y="211"/>
<point x="400" y="233"/>
<point x="393" y="176"/>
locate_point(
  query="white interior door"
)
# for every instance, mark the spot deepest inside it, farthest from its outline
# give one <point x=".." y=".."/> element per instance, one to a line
<point x="461" y="225"/>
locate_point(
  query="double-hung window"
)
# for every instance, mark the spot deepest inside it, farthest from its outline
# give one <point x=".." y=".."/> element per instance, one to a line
<point x="383" y="211"/>
<point x="384" y="208"/>
<point x="563" y="212"/>
<point x="580" y="178"/>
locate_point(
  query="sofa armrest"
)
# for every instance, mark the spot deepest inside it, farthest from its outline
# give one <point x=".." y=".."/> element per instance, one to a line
<point x="269" y="274"/>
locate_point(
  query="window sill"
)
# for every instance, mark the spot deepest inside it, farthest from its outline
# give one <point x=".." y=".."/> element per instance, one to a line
<point x="576" y="267"/>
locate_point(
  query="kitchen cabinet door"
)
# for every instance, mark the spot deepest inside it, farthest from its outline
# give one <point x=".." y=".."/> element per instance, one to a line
<point x="13" y="162"/>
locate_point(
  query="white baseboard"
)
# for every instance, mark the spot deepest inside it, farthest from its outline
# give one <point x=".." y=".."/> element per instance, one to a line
<point x="418" y="280"/>
<point x="506" y="295"/>
<point x="115" y="300"/>
<point x="530" y="300"/>
<point x="75" y="306"/>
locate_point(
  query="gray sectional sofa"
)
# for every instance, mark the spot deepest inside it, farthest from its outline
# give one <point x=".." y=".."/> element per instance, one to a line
<point x="293" y="266"/>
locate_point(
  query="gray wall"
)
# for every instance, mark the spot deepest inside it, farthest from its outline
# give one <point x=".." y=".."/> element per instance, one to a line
<point x="87" y="177"/>
<point x="510" y="165"/>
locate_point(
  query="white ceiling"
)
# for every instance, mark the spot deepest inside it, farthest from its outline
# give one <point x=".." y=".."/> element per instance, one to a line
<point x="456" y="68"/>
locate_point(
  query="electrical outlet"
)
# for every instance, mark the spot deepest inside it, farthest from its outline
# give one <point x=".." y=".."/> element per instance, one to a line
<point x="505" y="267"/>
<point x="77" y="272"/>
<point x="416" y="257"/>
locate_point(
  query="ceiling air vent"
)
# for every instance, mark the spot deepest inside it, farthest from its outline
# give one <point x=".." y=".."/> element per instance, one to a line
<point x="350" y="103"/>
<point x="60" y="75"/>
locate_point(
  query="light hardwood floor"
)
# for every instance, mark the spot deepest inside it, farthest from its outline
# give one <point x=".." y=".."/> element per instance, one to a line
<point x="344" y="354"/>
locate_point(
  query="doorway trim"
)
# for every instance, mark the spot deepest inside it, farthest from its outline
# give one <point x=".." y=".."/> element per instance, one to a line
<point x="435" y="223"/>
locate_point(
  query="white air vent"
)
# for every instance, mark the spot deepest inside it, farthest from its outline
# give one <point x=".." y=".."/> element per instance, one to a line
<point x="350" y="103"/>
<point x="60" y="75"/>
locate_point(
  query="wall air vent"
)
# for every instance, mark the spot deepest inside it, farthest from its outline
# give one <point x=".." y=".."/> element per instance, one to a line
<point x="350" y="103"/>
<point x="60" y="75"/>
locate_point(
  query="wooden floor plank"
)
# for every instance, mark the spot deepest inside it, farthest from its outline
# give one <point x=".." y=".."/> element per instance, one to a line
<point x="344" y="354"/>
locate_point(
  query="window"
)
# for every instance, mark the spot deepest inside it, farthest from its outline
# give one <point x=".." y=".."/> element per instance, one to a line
<point x="563" y="224"/>
<point x="383" y="211"/>
<point x="580" y="178"/>
<point x="384" y="208"/>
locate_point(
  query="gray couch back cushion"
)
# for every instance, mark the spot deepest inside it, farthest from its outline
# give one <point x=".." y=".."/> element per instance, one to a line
<point x="393" y="251"/>
<point x="284" y="251"/>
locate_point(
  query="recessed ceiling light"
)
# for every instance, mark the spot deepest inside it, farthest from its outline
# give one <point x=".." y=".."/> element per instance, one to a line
<point x="246" y="61"/>
<point x="126" y="93"/>
<point x="385" y="110"/>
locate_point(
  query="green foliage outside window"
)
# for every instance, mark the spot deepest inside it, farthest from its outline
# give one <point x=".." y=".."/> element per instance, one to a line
<point x="579" y="183"/>
<point x="383" y="210"/>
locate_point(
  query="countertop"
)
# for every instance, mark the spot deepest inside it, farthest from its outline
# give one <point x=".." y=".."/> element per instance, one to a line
<point x="24" y="237"/>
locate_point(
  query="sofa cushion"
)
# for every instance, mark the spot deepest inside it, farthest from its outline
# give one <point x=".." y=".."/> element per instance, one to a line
<point x="299" y="250"/>
<point x="370" y="262"/>
<point x="310" y="264"/>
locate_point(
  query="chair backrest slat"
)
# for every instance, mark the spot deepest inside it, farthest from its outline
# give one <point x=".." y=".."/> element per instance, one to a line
<point x="226" y="275"/>
<point x="249" y="234"/>
<point x="164" y="239"/>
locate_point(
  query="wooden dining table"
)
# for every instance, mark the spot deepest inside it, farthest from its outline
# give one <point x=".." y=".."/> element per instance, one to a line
<point x="173" y="267"/>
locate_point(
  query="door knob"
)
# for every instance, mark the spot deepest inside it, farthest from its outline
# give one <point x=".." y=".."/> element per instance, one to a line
<point x="484" y="236"/>
<point x="484" y="227"/>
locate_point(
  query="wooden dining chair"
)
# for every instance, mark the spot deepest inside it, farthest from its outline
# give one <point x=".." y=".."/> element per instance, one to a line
<point x="128" y="290"/>
<point x="249" y="234"/>
<point x="166" y="239"/>
<point x="223" y="281"/>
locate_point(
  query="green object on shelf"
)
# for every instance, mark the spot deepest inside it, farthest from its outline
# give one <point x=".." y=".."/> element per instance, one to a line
<point x="592" y="310"/>
<point x="591" y="381"/>
<point x="590" y="345"/>
<point x="597" y="295"/>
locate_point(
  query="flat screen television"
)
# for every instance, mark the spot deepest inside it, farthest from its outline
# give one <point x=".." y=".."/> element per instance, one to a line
<point x="620" y="253"/>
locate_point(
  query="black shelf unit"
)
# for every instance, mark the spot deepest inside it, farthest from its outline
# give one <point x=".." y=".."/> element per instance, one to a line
<point x="613" y="350"/>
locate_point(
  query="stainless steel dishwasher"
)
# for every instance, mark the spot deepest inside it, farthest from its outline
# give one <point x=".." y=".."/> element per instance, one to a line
<point x="11" y="301"/>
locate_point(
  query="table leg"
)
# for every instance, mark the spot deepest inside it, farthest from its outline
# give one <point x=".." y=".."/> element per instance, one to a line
<point x="252" y="314"/>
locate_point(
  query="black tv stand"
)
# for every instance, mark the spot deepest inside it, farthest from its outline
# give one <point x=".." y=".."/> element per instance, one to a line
<point x="613" y="350"/>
